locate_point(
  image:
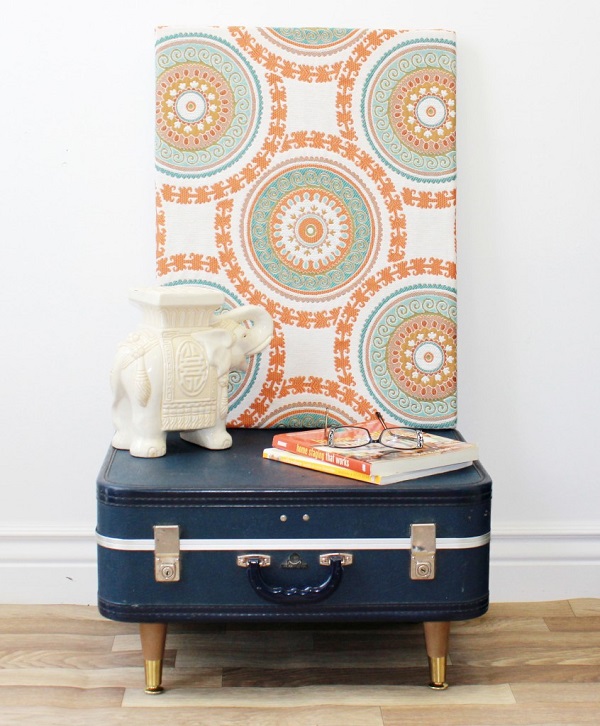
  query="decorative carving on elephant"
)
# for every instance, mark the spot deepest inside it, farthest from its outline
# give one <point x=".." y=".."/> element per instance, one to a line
<point x="172" y="374"/>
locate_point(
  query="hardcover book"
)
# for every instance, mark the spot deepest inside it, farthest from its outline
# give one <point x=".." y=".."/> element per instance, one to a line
<point x="305" y="462"/>
<point x="375" y="459"/>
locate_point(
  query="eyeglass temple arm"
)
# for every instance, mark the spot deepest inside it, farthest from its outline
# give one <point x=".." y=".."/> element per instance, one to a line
<point x="381" y="420"/>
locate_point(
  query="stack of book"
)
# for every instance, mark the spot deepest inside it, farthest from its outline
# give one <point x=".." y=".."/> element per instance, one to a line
<point x="373" y="463"/>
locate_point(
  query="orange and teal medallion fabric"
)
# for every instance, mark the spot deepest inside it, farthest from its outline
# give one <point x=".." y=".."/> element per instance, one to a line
<point x="313" y="171"/>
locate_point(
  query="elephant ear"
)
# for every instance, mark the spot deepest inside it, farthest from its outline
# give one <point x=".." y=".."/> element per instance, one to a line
<point x="227" y="324"/>
<point x="142" y="385"/>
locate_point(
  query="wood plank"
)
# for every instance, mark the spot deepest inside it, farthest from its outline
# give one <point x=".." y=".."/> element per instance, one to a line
<point x="467" y="675"/>
<point x="554" y="714"/>
<point x="296" y="677"/>
<point x="106" y="678"/>
<point x="527" y="649"/>
<point x="550" y="609"/>
<point x="49" y="612"/>
<point x="471" y="639"/>
<point x="325" y="716"/>
<point x="230" y="657"/>
<point x="17" y="659"/>
<point x="487" y="623"/>
<point x="79" y="619"/>
<point x="555" y="674"/>
<point x="319" y="696"/>
<point x="329" y="642"/>
<point x="589" y="624"/>
<point x="238" y="640"/>
<point x="585" y="607"/>
<point x="62" y="697"/>
<point x="501" y="624"/>
<point x="548" y="693"/>
<point x="56" y="641"/>
<point x="529" y="656"/>
<point x="76" y="619"/>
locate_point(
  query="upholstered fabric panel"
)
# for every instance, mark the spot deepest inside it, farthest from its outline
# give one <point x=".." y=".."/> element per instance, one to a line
<point x="312" y="171"/>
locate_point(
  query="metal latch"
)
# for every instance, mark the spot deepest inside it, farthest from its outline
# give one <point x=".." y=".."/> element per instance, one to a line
<point x="263" y="560"/>
<point x="167" y="565"/>
<point x="347" y="559"/>
<point x="422" y="551"/>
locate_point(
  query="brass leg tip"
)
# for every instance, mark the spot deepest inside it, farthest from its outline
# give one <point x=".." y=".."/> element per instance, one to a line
<point x="437" y="673"/>
<point x="153" y="673"/>
<point x="154" y="690"/>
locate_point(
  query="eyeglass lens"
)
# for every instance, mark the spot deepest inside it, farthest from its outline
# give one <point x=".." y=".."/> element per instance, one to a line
<point x="352" y="436"/>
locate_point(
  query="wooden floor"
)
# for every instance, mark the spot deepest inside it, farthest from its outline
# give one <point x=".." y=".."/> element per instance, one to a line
<point x="530" y="664"/>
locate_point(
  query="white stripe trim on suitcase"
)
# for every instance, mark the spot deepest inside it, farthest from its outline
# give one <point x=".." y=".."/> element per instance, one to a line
<point x="256" y="545"/>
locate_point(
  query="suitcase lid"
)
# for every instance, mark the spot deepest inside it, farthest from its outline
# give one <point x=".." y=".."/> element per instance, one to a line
<point x="241" y="474"/>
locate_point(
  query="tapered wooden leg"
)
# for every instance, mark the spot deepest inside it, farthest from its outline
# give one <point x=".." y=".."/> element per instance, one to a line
<point x="437" y="635"/>
<point x="153" y="637"/>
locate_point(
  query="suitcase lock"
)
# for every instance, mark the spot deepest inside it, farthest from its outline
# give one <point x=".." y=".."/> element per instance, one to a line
<point x="167" y="565"/>
<point x="422" y="551"/>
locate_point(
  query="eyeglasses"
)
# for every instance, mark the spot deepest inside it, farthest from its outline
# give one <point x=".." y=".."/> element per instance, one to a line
<point x="351" y="437"/>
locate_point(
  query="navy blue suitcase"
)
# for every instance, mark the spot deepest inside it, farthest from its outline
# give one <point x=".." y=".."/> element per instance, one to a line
<point x="203" y="535"/>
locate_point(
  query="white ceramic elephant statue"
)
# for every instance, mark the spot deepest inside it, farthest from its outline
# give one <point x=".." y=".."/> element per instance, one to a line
<point x="172" y="374"/>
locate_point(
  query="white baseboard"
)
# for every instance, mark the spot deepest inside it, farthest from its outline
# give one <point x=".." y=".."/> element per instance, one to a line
<point x="533" y="561"/>
<point x="529" y="562"/>
<point x="48" y="566"/>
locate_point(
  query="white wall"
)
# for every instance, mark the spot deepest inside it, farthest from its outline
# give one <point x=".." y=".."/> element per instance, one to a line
<point x="77" y="114"/>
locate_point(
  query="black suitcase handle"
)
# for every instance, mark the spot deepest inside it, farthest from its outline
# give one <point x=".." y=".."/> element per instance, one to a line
<point x="296" y="595"/>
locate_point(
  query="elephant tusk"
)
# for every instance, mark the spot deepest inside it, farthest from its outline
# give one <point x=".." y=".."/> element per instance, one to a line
<point x="260" y="346"/>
